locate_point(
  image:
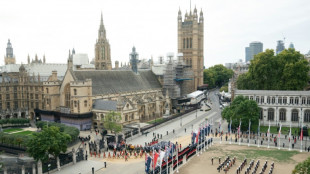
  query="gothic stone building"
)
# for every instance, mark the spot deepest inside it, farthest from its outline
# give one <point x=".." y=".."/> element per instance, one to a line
<point x="285" y="107"/>
<point x="190" y="43"/>
<point x="86" y="96"/>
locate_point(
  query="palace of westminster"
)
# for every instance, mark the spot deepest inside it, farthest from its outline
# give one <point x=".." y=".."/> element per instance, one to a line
<point x="80" y="93"/>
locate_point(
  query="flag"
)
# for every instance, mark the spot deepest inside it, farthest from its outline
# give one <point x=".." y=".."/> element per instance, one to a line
<point x="279" y="134"/>
<point x="156" y="155"/>
<point x="161" y="156"/>
<point x="148" y="164"/>
<point x="197" y="136"/>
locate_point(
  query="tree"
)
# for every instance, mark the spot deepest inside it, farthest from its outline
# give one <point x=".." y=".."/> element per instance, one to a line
<point x="302" y="167"/>
<point x="285" y="71"/>
<point x="218" y="75"/>
<point x="111" y="121"/>
<point x="50" y="141"/>
<point x="244" y="109"/>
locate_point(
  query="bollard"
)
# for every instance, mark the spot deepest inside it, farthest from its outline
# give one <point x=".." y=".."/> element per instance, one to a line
<point x="105" y="164"/>
<point x="93" y="170"/>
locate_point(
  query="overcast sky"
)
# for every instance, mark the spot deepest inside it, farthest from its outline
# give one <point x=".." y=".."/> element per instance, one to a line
<point x="53" y="27"/>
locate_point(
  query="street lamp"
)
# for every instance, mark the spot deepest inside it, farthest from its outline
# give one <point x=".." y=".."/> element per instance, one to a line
<point x="196" y="107"/>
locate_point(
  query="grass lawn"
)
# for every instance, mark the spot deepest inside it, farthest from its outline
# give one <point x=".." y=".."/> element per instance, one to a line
<point x="12" y="130"/>
<point x="158" y="120"/>
<point x="27" y="133"/>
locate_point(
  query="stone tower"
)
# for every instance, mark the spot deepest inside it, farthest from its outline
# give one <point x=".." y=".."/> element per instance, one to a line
<point x="190" y="43"/>
<point x="9" y="58"/>
<point x="102" y="50"/>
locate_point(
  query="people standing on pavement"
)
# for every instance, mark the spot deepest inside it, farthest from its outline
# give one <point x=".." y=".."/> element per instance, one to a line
<point x="212" y="158"/>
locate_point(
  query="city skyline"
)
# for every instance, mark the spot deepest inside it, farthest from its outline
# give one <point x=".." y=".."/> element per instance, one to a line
<point x="54" y="27"/>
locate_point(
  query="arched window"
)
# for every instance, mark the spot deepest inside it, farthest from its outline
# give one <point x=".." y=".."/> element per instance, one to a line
<point x="303" y="100"/>
<point x="280" y="100"/>
<point x="85" y="103"/>
<point x="271" y="114"/>
<point x="75" y="104"/>
<point x="75" y="91"/>
<point x="126" y="118"/>
<point x="251" y="97"/>
<point x="268" y="100"/>
<point x="308" y="101"/>
<point x="46" y="90"/>
<point x="296" y="100"/>
<point x="291" y="100"/>
<point x="257" y="99"/>
<point x="307" y="116"/>
<point x="67" y="95"/>
<point x="187" y="43"/>
<point x="294" y="115"/>
<point x="284" y="100"/>
<point x="262" y="99"/>
<point x="282" y="115"/>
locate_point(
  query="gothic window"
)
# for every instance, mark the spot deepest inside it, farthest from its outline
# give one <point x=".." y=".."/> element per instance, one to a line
<point x="271" y="114"/>
<point x="75" y="91"/>
<point x="308" y="101"/>
<point x="37" y="104"/>
<point x="291" y="100"/>
<point x="190" y="45"/>
<point x="31" y="104"/>
<point x="296" y="100"/>
<point x="15" y="104"/>
<point x="280" y="100"/>
<point x="126" y="118"/>
<point x="303" y="100"/>
<point x="184" y="43"/>
<point x="37" y="96"/>
<point x="294" y="115"/>
<point x="15" y="88"/>
<point x="75" y="103"/>
<point x="102" y="53"/>
<point x="67" y="95"/>
<point x="284" y="100"/>
<point x="46" y="90"/>
<point x="268" y="100"/>
<point x="85" y="103"/>
<point x="282" y="115"/>
<point x="8" y="96"/>
<point x="190" y="62"/>
<point x="31" y="96"/>
<point x="0" y="105"/>
<point x="273" y="100"/>
<point x="306" y="116"/>
<point x="15" y="95"/>
<point x="262" y="99"/>
<point x="8" y="106"/>
<point x="7" y="88"/>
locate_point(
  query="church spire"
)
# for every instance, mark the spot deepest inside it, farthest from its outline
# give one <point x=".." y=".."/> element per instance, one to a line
<point x="101" y="21"/>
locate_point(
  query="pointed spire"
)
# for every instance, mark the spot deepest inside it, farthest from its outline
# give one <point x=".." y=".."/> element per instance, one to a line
<point x="101" y="21"/>
<point x="44" y="60"/>
<point x="28" y="59"/>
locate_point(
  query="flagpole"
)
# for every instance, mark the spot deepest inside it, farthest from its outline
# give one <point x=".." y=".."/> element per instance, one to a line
<point x="153" y="162"/>
<point x="258" y="133"/>
<point x="230" y="131"/>
<point x="239" y="131"/>
<point x="177" y="156"/>
<point x="268" y="134"/>
<point x="279" y="136"/>
<point x="249" y="132"/>
<point x="301" y="133"/>
<point x="290" y="139"/>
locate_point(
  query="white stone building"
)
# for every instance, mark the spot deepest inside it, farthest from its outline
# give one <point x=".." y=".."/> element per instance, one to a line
<point x="285" y="107"/>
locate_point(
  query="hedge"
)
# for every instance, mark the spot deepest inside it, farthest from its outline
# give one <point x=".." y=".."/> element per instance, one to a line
<point x="15" y="121"/>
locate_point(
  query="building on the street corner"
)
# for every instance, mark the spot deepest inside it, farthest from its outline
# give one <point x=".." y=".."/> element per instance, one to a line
<point x="191" y="42"/>
<point x="285" y="107"/>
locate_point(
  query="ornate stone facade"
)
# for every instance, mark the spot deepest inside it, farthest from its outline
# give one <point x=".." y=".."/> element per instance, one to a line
<point x="190" y="43"/>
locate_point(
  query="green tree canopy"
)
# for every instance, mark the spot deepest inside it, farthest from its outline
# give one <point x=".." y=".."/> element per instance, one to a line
<point x="285" y="71"/>
<point x="111" y="122"/>
<point x="217" y="75"/>
<point x="302" y="167"/>
<point x="244" y="109"/>
<point x="50" y="141"/>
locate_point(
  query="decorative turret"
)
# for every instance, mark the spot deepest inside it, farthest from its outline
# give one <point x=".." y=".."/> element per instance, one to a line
<point x="9" y="57"/>
<point x="36" y="58"/>
<point x="28" y="59"/>
<point x="44" y="60"/>
<point x="22" y="68"/>
<point x="179" y="15"/>
<point x="70" y="62"/>
<point x="201" y="17"/>
<point x="134" y="60"/>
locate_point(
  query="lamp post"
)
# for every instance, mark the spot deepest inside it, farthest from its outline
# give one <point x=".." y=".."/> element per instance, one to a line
<point x="196" y="107"/>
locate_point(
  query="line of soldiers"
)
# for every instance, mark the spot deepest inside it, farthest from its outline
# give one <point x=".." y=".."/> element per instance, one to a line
<point x="241" y="166"/>
<point x="256" y="167"/>
<point x="264" y="168"/>
<point x="271" y="168"/>
<point x="250" y="167"/>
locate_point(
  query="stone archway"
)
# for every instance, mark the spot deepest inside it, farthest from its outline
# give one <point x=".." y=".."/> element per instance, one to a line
<point x="23" y="115"/>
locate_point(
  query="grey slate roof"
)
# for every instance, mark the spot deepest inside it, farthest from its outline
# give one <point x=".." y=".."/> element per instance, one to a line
<point x="271" y="92"/>
<point x="108" y="105"/>
<point x="114" y="81"/>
